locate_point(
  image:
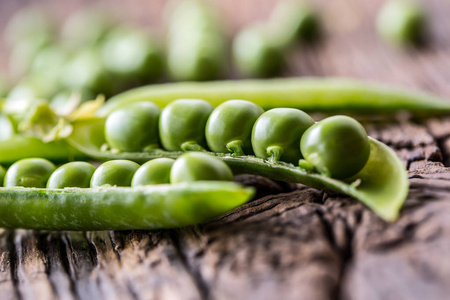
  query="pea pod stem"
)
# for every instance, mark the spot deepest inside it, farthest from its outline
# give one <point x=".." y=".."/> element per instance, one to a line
<point x="235" y="147"/>
<point x="382" y="183"/>
<point x="308" y="94"/>
<point x="119" y="208"/>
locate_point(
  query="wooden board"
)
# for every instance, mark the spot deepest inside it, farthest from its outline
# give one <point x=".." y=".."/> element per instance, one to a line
<point x="293" y="242"/>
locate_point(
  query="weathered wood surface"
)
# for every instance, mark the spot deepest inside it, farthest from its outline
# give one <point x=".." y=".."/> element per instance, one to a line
<point x="293" y="242"/>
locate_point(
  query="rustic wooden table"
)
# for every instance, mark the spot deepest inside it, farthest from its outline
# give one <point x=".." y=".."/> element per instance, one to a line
<point x="293" y="242"/>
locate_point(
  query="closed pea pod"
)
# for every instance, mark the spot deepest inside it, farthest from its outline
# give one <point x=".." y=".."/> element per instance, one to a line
<point x="155" y="171"/>
<point x="133" y="128"/>
<point x="115" y="172"/>
<point x="29" y="172"/>
<point x="73" y="174"/>
<point x="197" y="166"/>
<point x="277" y="133"/>
<point x="337" y="146"/>
<point x="182" y="124"/>
<point x="229" y="127"/>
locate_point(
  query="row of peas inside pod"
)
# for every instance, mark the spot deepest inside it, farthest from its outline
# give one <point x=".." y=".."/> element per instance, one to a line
<point x="337" y="146"/>
<point x="41" y="173"/>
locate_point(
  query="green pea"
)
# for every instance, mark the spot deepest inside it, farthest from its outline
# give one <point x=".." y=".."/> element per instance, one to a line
<point x="294" y="20"/>
<point x="182" y="124"/>
<point x="277" y="133"/>
<point x="29" y="172"/>
<point x="129" y="52"/>
<point x="255" y="54"/>
<point x="229" y="127"/>
<point x="197" y="166"/>
<point x="401" y="22"/>
<point x="86" y="27"/>
<point x="28" y="23"/>
<point x="2" y="175"/>
<point x="114" y="172"/>
<point x="133" y="128"/>
<point x="73" y="174"/>
<point x="86" y="71"/>
<point x="156" y="171"/>
<point x="337" y="146"/>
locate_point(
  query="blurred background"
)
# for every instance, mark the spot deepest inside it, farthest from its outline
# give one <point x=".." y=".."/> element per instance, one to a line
<point x="52" y="49"/>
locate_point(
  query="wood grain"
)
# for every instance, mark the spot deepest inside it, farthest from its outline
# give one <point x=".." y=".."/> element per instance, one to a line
<point x="292" y="242"/>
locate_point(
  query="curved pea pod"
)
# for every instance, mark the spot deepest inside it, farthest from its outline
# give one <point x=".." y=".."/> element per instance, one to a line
<point x="119" y="208"/>
<point x="308" y="94"/>
<point x="196" y="44"/>
<point x="382" y="184"/>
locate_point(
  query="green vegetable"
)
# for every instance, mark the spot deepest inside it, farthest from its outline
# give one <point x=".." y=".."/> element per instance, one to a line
<point x="156" y="171"/>
<point x="229" y="127"/>
<point x="2" y="175"/>
<point x="73" y="174"/>
<point x="119" y="208"/>
<point x="198" y="166"/>
<point x="133" y="128"/>
<point x="276" y="134"/>
<point x="29" y="172"/>
<point x="28" y="23"/>
<point x="293" y="20"/>
<point x="129" y="52"/>
<point x="196" y="45"/>
<point x="182" y="124"/>
<point x="401" y="22"/>
<point x="86" y="27"/>
<point x="22" y="146"/>
<point x="337" y="146"/>
<point x="85" y="71"/>
<point x="307" y="94"/>
<point x="255" y="54"/>
<point x="114" y="173"/>
<point x="382" y="184"/>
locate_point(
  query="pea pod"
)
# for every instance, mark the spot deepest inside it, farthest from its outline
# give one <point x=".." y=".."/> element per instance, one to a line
<point x="119" y="208"/>
<point x="308" y="94"/>
<point x="382" y="184"/>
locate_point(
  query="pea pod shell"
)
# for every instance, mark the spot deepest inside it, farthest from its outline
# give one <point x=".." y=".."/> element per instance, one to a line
<point x="382" y="184"/>
<point x="145" y="207"/>
<point x="308" y="94"/>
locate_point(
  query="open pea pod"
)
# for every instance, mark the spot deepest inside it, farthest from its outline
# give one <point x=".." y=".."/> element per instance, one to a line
<point x="22" y="146"/>
<point x="382" y="184"/>
<point x="308" y="94"/>
<point x="119" y="208"/>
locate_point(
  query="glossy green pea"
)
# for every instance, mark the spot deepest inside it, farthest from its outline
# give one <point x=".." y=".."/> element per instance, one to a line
<point x="156" y="171"/>
<point x="277" y="133"/>
<point x="198" y="166"/>
<point x="133" y="128"/>
<point x="401" y="22"/>
<point x="115" y="173"/>
<point x="73" y="174"/>
<point x="182" y="124"/>
<point x="254" y="53"/>
<point x="229" y="127"/>
<point x="29" y="172"/>
<point x="337" y="146"/>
